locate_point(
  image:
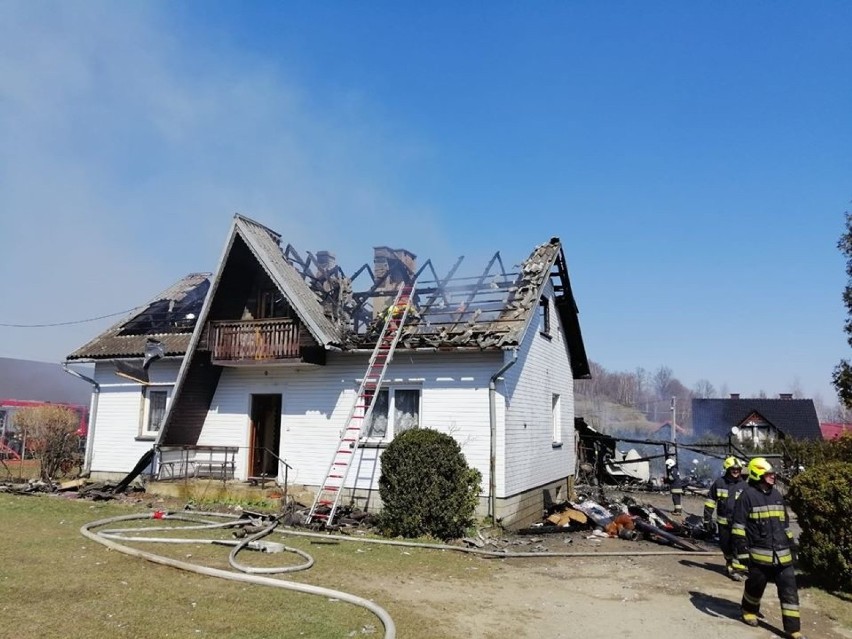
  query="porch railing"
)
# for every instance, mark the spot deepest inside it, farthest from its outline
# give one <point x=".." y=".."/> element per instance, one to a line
<point x="260" y="340"/>
<point x="213" y="462"/>
<point x="182" y="462"/>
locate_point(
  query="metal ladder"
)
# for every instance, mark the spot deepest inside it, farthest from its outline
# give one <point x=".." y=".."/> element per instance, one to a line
<point x="327" y="499"/>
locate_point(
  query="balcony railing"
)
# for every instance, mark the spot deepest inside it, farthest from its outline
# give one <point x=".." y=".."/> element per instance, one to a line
<point x="259" y="340"/>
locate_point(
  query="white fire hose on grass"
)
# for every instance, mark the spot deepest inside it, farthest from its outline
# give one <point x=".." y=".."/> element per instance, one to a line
<point x="110" y="537"/>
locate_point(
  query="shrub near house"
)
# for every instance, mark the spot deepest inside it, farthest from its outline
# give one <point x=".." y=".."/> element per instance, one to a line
<point x="426" y="486"/>
<point x="821" y="497"/>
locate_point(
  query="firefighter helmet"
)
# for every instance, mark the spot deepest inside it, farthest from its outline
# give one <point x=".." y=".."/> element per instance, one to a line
<point x="670" y="462"/>
<point x="731" y="462"/>
<point x="758" y="467"/>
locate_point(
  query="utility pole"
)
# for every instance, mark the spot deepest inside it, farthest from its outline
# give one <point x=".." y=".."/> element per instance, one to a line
<point x="674" y="421"/>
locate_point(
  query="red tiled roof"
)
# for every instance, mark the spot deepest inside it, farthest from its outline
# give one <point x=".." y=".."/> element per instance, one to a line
<point x="833" y="431"/>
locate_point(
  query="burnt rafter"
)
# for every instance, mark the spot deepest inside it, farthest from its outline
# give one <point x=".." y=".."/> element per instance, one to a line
<point x="462" y="308"/>
<point x="439" y="290"/>
<point x="562" y="284"/>
<point x="486" y="311"/>
<point x="492" y="310"/>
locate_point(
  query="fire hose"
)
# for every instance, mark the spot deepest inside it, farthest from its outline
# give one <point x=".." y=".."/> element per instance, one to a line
<point x="111" y="537"/>
<point x="108" y="538"/>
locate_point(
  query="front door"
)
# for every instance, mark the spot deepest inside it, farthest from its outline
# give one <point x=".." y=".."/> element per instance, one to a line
<point x="265" y="435"/>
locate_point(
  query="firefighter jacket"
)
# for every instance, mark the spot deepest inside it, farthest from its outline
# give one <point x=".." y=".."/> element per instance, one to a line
<point x="722" y="497"/>
<point x="761" y="527"/>
<point x="672" y="475"/>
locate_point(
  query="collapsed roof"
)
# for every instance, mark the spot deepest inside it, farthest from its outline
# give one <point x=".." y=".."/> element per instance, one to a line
<point x="169" y="317"/>
<point x="484" y="312"/>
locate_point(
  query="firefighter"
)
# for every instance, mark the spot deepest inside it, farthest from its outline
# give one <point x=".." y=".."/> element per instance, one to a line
<point x="763" y="540"/>
<point x="396" y="311"/>
<point x="673" y="479"/>
<point x="721" y="499"/>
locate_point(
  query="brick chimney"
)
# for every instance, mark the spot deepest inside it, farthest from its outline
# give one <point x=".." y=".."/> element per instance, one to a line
<point x="326" y="260"/>
<point x="785" y="395"/>
<point x="399" y="265"/>
<point x="735" y="395"/>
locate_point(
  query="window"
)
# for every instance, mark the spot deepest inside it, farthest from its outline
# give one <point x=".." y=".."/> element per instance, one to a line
<point x="544" y="316"/>
<point x="395" y="411"/>
<point x="271" y="303"/>
<point x="154" y="411"/>
<point x="556" y="419"/>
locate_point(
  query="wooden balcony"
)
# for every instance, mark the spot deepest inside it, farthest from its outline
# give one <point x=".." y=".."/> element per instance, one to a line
<point x="254" y="341"/>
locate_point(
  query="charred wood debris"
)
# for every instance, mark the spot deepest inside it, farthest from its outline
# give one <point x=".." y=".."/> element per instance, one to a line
<point x="620" y="517"/>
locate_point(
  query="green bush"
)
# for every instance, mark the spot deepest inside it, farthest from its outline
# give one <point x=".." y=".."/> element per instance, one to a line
<point x="821" y="497"/>
<point x="426" y="486"/>
<point x="811" y="452"/>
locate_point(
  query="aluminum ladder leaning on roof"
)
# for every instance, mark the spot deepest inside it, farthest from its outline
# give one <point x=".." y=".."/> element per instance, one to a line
<point x="328" y="497"/>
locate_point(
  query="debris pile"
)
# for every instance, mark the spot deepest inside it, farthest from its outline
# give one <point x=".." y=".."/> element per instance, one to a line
<point x="625" y="519"/>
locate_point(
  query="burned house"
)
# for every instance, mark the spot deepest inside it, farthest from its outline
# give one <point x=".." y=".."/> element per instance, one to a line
<point x="260" y="364"/>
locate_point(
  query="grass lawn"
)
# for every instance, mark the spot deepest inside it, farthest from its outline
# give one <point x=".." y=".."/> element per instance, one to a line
<point x="56" y="583"/>
<point x="19" y="469"/>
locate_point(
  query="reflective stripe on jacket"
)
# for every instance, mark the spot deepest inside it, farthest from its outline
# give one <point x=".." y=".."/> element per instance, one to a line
<point x="722" y="497"/>
<point x="761" y="527"/>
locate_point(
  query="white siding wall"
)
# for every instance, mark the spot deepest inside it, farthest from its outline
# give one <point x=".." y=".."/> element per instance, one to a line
<point x="316" y="401"/>
<point x="116" y="446"/>
<point x="542" y="370"/>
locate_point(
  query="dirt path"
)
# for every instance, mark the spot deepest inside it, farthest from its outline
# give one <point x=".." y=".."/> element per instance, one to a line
<point x="657" y="597"/>
<point x="601" y="597"/>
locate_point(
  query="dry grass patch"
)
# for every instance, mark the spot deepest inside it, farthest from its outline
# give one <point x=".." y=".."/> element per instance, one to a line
<point x="57" y="583"/>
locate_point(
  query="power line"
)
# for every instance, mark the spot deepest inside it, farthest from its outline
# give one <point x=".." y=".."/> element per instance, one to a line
<point x="82" y="321"/>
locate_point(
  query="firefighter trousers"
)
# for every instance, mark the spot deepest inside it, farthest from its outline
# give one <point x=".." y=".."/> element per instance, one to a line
<point x="785" y="581"/>
<point x="726" y="543"/>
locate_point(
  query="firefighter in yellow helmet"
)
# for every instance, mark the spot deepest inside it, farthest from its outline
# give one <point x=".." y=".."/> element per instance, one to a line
<point x="397" y="311"/>
<point x="763" y="540"/>
<point x="721" y="498"/>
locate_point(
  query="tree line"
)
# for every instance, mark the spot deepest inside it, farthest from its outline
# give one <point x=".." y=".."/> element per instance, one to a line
<point x="648" y="392"/>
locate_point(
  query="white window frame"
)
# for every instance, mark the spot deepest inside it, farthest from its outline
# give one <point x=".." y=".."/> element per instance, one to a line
<point x="556" y="418"/>
<point x="144" y="430"/>
<point x="390" y="433"/>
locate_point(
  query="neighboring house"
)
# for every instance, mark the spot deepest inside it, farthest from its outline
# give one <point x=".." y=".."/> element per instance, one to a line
<point x="277" y="351"/>
<point x="833" y="431"/>
<point x="28" y="384"/>
<point x="755" y="420"/>
<point x="663" y="432"/>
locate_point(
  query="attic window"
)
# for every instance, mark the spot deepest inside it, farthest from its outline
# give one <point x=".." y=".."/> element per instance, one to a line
<point x="271" y="303"/>
<point x="544" y="316"/>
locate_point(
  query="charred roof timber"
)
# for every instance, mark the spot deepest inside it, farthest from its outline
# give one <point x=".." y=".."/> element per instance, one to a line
<point x="487" y="311"/>
<point x="491" y="310"/>
<point x="170" y="316"/>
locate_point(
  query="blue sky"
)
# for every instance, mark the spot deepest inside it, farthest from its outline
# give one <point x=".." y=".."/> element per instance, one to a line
<point x="694" y="158"/>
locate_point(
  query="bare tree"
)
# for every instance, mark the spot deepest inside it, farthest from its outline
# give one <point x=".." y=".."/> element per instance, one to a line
<point x="51" y="434"/>
<point x="641" y="384"/>
<point x="703" y="389"/>
<point x="661" y="379"/>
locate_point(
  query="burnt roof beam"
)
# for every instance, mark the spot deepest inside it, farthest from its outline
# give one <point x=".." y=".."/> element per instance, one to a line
<point x="478" y="285"/>
<point x="440" y="290"/>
